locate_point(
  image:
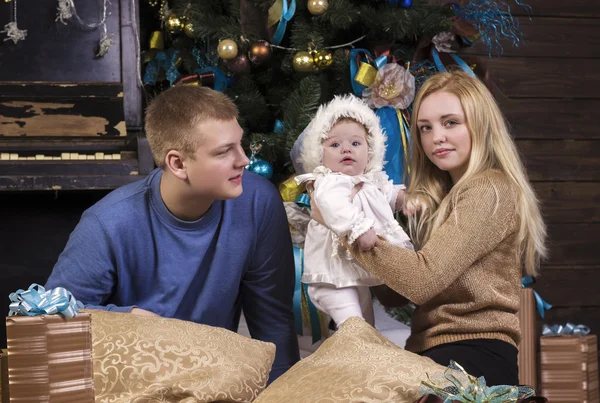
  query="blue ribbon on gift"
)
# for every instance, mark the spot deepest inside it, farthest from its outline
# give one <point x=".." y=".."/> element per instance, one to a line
<point x="300" y="295"/>
<point x="460" y="62"/>
<point x="303" y="200"/>
<point x="165" y="59"/>
<point x="395" y="154"/>
<point x="542" y="306"/>
<point x="567" y="330"/>
<point x="357" y="88"/>
<point x="220" y="77"/>
<point x="379" y="62"/>
<point x="286" y="14"/>
<point x="37" y="301"/>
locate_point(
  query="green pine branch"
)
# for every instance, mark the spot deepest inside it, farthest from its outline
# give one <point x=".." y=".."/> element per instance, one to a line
<point x="299" y="108"/>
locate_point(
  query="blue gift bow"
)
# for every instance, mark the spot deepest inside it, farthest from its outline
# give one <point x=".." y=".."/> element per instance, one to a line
<point x="164" y="59"/>
<point x="542" y="306"/>
<point x="358" y="88"/>
<point x="567" y="330"/>
<point x="286" y="15"/>
<point x="37" y="301"/>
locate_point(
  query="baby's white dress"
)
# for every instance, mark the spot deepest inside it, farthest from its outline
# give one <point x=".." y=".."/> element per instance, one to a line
<point x="325" y="260"/>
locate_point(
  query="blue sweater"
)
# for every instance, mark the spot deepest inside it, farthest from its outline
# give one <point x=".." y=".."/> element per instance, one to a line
<point x="129" y="250"/>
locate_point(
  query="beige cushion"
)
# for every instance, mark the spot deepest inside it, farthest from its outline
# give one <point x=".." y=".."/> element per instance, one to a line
<point x="356" y="364"/>
<point x="151" y="359"/>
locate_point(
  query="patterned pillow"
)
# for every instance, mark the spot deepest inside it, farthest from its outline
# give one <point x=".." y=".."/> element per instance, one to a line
<point x="356" y="364"/>
<point x="151" y="359"/>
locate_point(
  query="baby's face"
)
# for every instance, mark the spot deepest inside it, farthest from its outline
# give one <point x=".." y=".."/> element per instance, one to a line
<point x="346" y="149"/>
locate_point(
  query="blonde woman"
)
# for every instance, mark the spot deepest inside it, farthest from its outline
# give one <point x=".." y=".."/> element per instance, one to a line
<point x="478" y="230"/>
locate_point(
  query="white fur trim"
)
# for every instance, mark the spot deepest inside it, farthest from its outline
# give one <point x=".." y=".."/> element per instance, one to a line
<point x="346" y="106"/>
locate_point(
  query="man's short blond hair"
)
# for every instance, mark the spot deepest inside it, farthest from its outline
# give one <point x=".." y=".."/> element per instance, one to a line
<point x="173" y="117"/>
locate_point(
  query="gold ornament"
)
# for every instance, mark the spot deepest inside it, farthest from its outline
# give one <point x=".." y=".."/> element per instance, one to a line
<point x="260" y="52"/>
<point x="174" y="24"/>
<point x="322" y="59"/>
<point x="227" y="49"/>
<point x="303" y="62"/>
<point x="188" y="29"/>
<point x="317" y="7"/>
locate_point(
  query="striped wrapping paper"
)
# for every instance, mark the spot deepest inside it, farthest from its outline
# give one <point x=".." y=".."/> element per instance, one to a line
<point x="50" y="359"/>
<point x="569" y="369"/>
<point x="527" y="347"/>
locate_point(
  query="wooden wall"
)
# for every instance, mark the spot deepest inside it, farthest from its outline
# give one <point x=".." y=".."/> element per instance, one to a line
<point x="549" y="89"/>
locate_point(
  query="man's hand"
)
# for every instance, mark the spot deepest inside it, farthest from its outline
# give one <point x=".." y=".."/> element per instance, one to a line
<point x="143" y="312"/>
<point x="367" y="241"/>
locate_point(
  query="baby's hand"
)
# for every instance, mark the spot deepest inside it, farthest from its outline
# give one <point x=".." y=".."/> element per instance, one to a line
<point x="412" y="207"/>
<point x="367" y="241"/>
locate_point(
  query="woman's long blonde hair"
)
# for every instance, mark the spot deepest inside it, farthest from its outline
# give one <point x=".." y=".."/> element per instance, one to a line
<point x="491" y="148"/>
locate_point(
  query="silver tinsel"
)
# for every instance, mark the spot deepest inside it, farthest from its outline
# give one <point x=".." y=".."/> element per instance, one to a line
<point x="445" y="42"/>
<point x="13" y="33"/>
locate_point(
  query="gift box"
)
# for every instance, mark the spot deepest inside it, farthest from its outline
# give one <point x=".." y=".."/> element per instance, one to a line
<point x="569" y="368"/>
<point x="49" y="347"/>
<point x="4" y="376"/>
<point x="527" y="347"/>
<point x="50" y="358"/>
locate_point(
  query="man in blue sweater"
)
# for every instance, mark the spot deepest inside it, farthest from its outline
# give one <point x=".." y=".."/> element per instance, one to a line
<point x="186" y="242"/>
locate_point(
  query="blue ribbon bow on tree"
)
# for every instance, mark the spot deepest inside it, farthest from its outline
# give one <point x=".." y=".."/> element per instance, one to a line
<point x="37" y="301"/>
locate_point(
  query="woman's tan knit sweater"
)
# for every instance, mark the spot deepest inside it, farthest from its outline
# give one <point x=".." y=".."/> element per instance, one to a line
<point x="465" y="281"/>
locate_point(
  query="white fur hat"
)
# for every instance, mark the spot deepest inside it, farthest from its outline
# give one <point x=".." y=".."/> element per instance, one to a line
<point x="307" y="153"/>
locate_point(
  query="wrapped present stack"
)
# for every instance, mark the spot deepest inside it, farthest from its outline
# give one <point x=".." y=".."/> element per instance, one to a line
<point x="530" y="301"/>
<point x="50" y="347"/>
<point x="569" y="364"/>
<point x="4" y="396"/>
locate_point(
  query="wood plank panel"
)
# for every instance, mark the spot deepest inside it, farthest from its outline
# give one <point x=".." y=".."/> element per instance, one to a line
<point x="519" y="77"/>
<point x="552" y="118"/>
<point x="569" y="286"/>
<point x="555" y="8"/>
<point x="561" y="160"/>
<point x="574" y="244"/>
<point x="551" y="37"/>
<point x="569" y="202"/>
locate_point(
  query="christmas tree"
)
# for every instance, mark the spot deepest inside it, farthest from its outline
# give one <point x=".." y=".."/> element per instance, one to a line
<point x="280" y="59"/>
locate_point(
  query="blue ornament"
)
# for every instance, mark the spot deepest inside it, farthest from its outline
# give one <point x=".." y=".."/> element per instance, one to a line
<point x="278" y="127"/>
<point x="261" y="167"/>
<point x="402" y="3"/>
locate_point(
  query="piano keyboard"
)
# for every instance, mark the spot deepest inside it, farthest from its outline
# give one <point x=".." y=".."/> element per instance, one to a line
<point x="62" y="157"/>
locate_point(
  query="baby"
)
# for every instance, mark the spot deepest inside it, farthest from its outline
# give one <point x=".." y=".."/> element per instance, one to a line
<point x="343" y="147"/>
